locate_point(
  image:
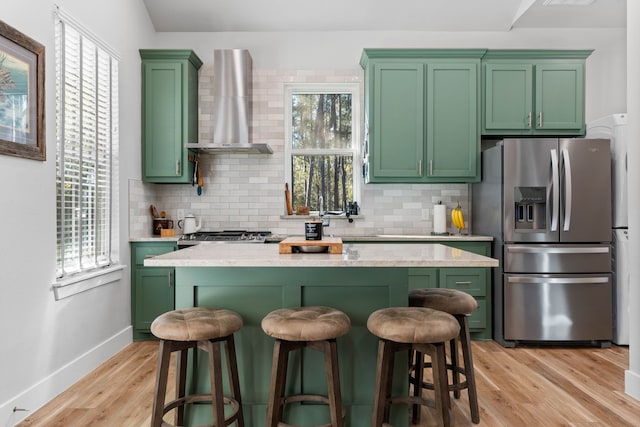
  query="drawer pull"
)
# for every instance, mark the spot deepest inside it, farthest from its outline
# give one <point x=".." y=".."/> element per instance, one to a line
<point x="467" y="282"/>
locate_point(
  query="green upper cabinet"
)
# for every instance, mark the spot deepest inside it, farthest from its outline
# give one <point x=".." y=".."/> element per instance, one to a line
<point x="532" y="92"/>
<point x="421" y="115"/>
<point x="452" y="123"/>
<point x="397" y="120"/>
<point x="169" y="114"/>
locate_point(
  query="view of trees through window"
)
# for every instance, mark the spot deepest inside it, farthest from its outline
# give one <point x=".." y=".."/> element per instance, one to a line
<point x="322" y="150"/>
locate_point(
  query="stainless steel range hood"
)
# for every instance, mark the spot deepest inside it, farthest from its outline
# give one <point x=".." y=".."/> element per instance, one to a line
<point x="232" y="90"/>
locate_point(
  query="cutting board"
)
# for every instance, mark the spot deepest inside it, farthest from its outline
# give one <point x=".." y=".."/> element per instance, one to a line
<point x="333" y="243"/>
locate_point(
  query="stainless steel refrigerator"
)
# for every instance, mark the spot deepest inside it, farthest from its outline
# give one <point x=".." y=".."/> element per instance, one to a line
<point x="614" y="128"/>
<point x="547" y="203"/>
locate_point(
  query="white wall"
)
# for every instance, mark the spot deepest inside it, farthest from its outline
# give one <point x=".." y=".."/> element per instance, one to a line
<point x="632" y="375"/>
<point x="46" y="345"/>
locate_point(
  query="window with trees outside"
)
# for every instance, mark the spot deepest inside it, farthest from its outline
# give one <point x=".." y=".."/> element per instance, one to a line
<point x="86" y="152"/>
<point x="321" y="145"/>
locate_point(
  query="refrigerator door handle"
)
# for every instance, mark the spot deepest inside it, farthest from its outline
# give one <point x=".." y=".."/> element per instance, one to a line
<point x="568" y="192"/>
<point x="555" y="190"/>
<point x="558" y="250"/>
<point x="538" y="280"/>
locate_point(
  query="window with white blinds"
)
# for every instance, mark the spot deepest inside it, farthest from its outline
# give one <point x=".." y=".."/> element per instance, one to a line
<point x="87" y="150"/>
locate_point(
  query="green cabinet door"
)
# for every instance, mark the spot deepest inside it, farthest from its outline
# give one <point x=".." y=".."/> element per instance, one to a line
<point x="154" y="295"/>
<point x="162" y="118"/>
<point x="152" y="288"/>
<point x="452" y="123"/>
<point x="508" y="97"/>
<point x="397" y="134"/>
<point x="169" y="114"/>
<point x="559" y="96"/>
<point x="474" y="282"/>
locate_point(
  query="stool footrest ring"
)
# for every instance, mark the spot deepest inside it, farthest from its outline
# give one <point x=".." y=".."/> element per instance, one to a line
<point x="462" y="385"/>
<point x="196" y="398"/>
<point x="297" y="398"/>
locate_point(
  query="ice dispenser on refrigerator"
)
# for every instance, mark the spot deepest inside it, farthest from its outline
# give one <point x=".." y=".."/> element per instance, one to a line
<point x="530" y="208"/>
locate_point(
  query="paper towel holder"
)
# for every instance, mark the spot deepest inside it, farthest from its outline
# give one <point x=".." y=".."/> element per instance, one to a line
<point x="439" y="233"/>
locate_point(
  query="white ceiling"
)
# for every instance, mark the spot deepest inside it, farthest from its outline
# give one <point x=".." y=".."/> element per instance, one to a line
<point x="378" y="15"/>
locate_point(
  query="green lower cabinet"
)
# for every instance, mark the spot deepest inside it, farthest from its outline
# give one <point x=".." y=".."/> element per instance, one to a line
<point x="152" y="288"/>
<point x="254" y="292"/>
<point x="474" y="281"/>
<point x="480" y="321"/>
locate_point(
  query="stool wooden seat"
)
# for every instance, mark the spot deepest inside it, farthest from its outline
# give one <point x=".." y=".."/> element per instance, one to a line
<point x="460" y="305"/>
<point x="407" y="328"/>
<point x="313" y="327"/>
<point x="192" y="328"/>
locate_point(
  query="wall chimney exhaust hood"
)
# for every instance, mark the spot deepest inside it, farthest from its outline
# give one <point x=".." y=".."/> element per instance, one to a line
<point x="232" y="91"/>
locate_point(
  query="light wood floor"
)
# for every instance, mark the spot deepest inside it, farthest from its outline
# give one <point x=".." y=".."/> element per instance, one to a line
<point x="516" y="387"/>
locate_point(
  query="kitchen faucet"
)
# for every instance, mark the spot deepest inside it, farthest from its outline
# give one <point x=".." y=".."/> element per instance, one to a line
<point x="321" y="212"/>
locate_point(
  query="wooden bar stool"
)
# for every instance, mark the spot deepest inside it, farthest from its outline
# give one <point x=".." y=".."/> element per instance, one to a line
<point x="460" y="305"/>
<point x="295" y="328"/>
<point x="207" y="329"/>
<point x="407" y="328"/>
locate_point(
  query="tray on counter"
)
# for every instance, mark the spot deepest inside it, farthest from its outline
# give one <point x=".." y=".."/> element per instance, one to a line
<point x="331" y="244"/>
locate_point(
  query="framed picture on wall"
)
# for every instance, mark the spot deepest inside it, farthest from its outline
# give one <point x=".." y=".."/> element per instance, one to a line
<point x="22" y="131"/>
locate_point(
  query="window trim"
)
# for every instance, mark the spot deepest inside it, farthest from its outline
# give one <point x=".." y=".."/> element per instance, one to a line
<point x="324" y="88"/>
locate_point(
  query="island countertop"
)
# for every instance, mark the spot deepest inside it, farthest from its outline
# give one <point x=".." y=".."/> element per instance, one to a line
<point x="216" y="254"/>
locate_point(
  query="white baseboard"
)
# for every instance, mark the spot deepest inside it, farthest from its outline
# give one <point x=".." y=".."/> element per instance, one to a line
<point x="632" y="384"/>
<point x="49" y="387"/>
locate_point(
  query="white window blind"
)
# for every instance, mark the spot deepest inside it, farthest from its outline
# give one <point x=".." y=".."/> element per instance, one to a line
<point x="87" y="150"/>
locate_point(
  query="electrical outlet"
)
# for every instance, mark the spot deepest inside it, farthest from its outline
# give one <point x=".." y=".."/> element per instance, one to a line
<point x="425" y="214"/>
<point x="180" y="214"/>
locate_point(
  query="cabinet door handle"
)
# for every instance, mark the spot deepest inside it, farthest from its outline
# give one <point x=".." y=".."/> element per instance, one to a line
<point x="466" y="282"/>
<point x="530" y="120"/>
<point x="431" y="167"/>
<point x="177" y="167"/>
<point x="419" y="167"/>
<point x="540" y="120"/>
<point x="169" y="279"/>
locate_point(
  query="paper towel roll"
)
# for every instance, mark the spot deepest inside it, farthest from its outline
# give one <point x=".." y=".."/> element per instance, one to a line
<point x="439" y="219"/>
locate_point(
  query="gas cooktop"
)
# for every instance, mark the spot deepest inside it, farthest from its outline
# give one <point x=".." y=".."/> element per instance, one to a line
<point x="231" y="236"/>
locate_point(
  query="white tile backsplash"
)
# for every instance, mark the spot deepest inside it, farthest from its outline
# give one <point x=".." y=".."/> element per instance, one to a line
<point x="246" y="191"/>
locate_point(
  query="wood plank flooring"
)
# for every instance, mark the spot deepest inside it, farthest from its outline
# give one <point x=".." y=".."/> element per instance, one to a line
<point x="535" y="386"/>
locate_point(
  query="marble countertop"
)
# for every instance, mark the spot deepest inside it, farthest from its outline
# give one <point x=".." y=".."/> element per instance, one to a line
<point x="216" y="254"/>
<point x="353" y="238"/>
<point x="404" y="238"/>
<point x="154" y="239"/>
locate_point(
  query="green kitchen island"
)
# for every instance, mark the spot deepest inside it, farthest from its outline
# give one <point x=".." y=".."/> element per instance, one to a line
<point x="254" y="279"/>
